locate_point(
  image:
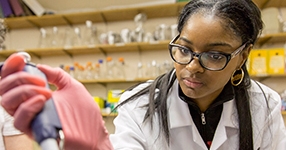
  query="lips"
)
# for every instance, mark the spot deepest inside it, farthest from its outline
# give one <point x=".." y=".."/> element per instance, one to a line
<point x="192" y="83"/>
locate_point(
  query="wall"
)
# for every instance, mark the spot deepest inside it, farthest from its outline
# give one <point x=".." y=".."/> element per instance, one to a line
<point x="29" y="38"/>
<point x="86" y="5"/>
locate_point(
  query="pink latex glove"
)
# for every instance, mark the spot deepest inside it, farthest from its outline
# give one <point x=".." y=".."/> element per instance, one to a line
<point x="24" y="95"/>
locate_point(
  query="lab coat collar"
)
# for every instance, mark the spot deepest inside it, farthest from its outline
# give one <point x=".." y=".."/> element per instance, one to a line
<point x="227" y="127"/>
<point x="179" y="114"/>
<point x="182" y="116"/>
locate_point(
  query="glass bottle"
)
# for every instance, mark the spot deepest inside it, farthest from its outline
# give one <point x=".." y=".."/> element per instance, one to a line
<point x="139" y="70"/>
<point x="77" y="39"/>
<point x="55" y="38"/>
<point x="89" y="71"/>
<point x="89" y="33"/>
<point x="97" y="69"/>
<point x="120" y="74"/>
<point x="102" y="65"/>
<point x="43" y="38"/>
<point x="72" y="71"/>
<point x="110" y="67"/>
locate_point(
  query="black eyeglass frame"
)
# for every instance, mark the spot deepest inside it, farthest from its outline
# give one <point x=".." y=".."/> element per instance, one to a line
<point x="198" y="55"/>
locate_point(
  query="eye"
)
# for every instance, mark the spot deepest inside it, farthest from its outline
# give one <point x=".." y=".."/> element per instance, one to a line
<point x="184" y="51"/>
<point x="213" y="56"/>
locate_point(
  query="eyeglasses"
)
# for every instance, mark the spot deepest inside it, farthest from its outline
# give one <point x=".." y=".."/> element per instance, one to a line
<point x="211" y="60"/>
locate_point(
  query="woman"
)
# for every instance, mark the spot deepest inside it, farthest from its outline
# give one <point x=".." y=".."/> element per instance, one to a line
<point x="206" y="102"/>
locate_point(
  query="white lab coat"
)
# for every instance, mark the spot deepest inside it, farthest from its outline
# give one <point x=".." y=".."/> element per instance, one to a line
<point x="131" y="134"/>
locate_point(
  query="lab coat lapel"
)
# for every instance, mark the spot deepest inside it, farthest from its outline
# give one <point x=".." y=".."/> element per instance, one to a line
<point x="227" y="127"/>
<point x="179" y="115"/>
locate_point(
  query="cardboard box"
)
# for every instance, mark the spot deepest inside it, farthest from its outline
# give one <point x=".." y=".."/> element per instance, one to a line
<point x="259" y="62"/>
<point x="99" y="101"/>
<point x="248" y="63"/>
<point x="276" y="63"/>
<point x="113" y="96"/>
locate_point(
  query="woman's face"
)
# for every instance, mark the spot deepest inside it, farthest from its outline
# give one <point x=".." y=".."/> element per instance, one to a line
<point x="204" y="33"/>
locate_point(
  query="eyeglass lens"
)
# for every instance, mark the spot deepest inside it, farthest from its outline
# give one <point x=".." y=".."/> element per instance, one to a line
<point x="209" y="60"/>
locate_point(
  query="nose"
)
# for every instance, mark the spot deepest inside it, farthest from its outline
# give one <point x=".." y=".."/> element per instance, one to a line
<point x="194" y="66"/>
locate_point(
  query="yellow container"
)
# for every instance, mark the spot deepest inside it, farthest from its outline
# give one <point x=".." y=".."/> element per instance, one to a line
<point x="99" y="101"/>
<point x="248" y="63"/>
<point x="113" y="96"/>
<point x="259" y="62"/>
<point x="276" y="61"/>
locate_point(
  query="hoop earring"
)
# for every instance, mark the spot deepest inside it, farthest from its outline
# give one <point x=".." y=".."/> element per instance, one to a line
<point x="237" y="77"/>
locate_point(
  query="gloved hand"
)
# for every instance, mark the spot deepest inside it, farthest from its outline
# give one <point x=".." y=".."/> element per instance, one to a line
<point x="24" y="95"/>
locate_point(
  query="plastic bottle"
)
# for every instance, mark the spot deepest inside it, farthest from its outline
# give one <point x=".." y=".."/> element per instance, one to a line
<point x="67" y="69"/>
<point x="139" y="70"/>
<point x="55" y="39"/>
<point x="110" y="68"/>
<point x="120" y="69"/>
<point x="89" y="71"/>
<point x="89" y="35"/>
<point x="62" y="66"/>
<point x="72" y="71"/>
<point x="102" y="65"/>
<point x="78" y="71"/>
<point x="165" y="67"/>
<point x="75" y="69"/>
<point x="81" y="73"/>
<point x="77" y="40"/>
<point x="154" y="69"/>
<point x="43" y="39"/>
<point x="139" y="19"/>
<point x="148" y="70"/>
<point x="97" y="69"/>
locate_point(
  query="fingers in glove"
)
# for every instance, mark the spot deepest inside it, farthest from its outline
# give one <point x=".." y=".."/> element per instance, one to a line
<point x="56" y="76"/>
<point x="27" y="111"/>
<point x="12" y="99"/>
<point x="18" y="79"/>
<point x="13" y="64"/>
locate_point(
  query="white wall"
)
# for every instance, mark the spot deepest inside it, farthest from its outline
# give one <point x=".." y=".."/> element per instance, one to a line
<point x="86" y="5"/>
<point x="29" y="38"/>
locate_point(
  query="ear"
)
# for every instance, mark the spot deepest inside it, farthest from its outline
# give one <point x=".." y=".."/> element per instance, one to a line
<point x="245" y="53"/>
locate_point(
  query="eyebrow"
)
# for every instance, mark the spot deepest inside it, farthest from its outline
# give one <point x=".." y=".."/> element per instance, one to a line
<point x="208" y="45"/>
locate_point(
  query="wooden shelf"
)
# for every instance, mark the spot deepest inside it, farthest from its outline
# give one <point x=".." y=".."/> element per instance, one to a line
<point x="283" y="112"/>
<point x="269" y="3"/>
<point x="82" y="50"/>
<point x="121" y="47"/>
<point x="114" y="80"/>
<point x="102" y="48"/>
<point x="119" y="14"/>
<point x="271" y="38"/>
<point x="109" y="115"/>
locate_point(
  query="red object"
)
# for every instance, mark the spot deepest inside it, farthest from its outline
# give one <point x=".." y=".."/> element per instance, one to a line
<point x="24" y="95"/>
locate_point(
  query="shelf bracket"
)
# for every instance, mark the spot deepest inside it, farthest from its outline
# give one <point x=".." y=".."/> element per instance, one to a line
<point x="69" y="23"/>
<point x="69" y="54"/>
<point x="34" y="54"/>
<point x="102" y="51"/>
<point x="103" y="18"/>
<point x="264" y="4"/>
